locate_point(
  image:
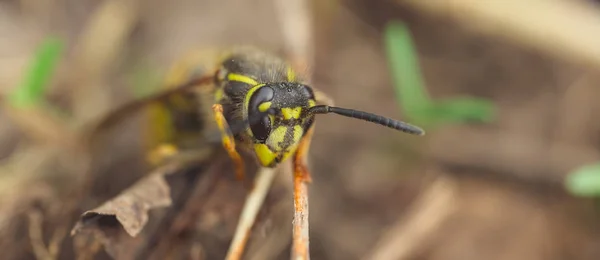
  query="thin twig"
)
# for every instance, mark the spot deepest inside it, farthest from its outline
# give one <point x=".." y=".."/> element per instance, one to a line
<point x="36" y="237"/>
<point x="428" y="211"/>
<point x="254" y="202"/>
<point x="86" y="247"/>
<point x="563" y="29"/>
<point x="300" y="233"/>
<point x="41" y="126"/>
<point x="58" y="236"/>
<point x="278" y="239"/>
<point x="295" y="20"/>
<point x="296" y="25"/>
<point x="96" y="51"/>
<point x="197" y="251"/>
<point x="194" y="181"/>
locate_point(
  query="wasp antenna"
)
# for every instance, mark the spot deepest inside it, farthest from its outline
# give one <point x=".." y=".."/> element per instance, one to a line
<point x="377" y="119"/>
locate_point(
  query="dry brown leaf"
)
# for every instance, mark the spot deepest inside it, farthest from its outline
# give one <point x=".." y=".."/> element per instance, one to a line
<point x="117" y="222"/>
<point x="130" y="208"/>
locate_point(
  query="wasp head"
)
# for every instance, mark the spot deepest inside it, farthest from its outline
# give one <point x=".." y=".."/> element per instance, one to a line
<point x="279" y="117"/>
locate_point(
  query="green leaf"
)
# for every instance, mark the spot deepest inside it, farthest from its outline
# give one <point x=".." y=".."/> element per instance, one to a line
<point x="464" y="109"/>
<point x="410" y="90"/>
<point x="584" y="181"/>
<point x="412" y="94"/>
<point x="31" y="90"/>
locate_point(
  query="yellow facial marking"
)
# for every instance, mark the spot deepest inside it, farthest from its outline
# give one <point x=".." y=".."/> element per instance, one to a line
<point x="298" y="131"/>
<point x="289" y="113"/>
<point x="291" y="75"/>
<point x="264" y="106"/>
<point x="311" y="103"/>
<point x="277" y="137"/>
<point x="264" y="154"/>
<point x="241" y="78"/>
<point x="267" y="156"/>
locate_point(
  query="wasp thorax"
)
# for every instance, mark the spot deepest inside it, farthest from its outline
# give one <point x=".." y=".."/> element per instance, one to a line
<point x="279" y="117"/>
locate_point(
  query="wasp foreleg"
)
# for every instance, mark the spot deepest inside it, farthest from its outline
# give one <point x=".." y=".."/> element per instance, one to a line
<point x="228" y="141"/>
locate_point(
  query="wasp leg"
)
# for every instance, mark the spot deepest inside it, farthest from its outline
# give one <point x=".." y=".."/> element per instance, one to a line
<point x="300" y="158"/>
<point x="228" y="141"/>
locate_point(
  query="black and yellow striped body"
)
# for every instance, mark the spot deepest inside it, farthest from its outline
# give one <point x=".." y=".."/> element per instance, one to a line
<point x="177" y="121"/>
<point x="247" y="88"/>
<point x="246" y="83"/>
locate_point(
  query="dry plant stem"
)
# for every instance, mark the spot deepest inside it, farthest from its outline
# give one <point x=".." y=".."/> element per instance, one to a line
<point x="254" y="202"/>
<point x="300" y="250"/>
<point x="297" y="29"/>
<point x="302" y="177"/>
<point x="177" y="221"/>
<point x="88" y="251"/>
<point x="564" y="29"/>
<point x="197" y="252"/>
<point x="22" y="168"/>
<point x="324" y="15"/>
<point x="36" y="237"/>
<point x="295" y="21"/>
<point x="424" y="216"/>
<point x="41" y="127"/>
<point x="159" y="239"/>
<point x="56" y="240"/>
<point x="278" y="238"/>
<point x="96" y="51"/>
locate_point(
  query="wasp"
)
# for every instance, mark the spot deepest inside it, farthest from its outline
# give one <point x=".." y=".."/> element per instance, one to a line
<point x="255" y="100"/>
<point x="246" y="100"/>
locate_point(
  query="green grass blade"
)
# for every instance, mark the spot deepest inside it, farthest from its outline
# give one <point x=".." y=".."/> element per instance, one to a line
<point x="31" y="90"/>
<point x="584" y="181"/>
<point x="412" y="94"/>
<point x="409" y="87"/>
<point x="466" y="109"/>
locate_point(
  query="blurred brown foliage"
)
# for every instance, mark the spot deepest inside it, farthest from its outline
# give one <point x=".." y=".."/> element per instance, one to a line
<point x="504" y="198"/>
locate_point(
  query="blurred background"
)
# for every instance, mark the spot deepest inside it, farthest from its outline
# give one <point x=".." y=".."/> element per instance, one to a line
<point x="505" y="90"/>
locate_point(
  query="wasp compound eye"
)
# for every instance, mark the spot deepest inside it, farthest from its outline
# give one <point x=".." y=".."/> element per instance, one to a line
<point x="259" y="103"/>
<point x="308" y="92"/>
<point x="262" y="128"/>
